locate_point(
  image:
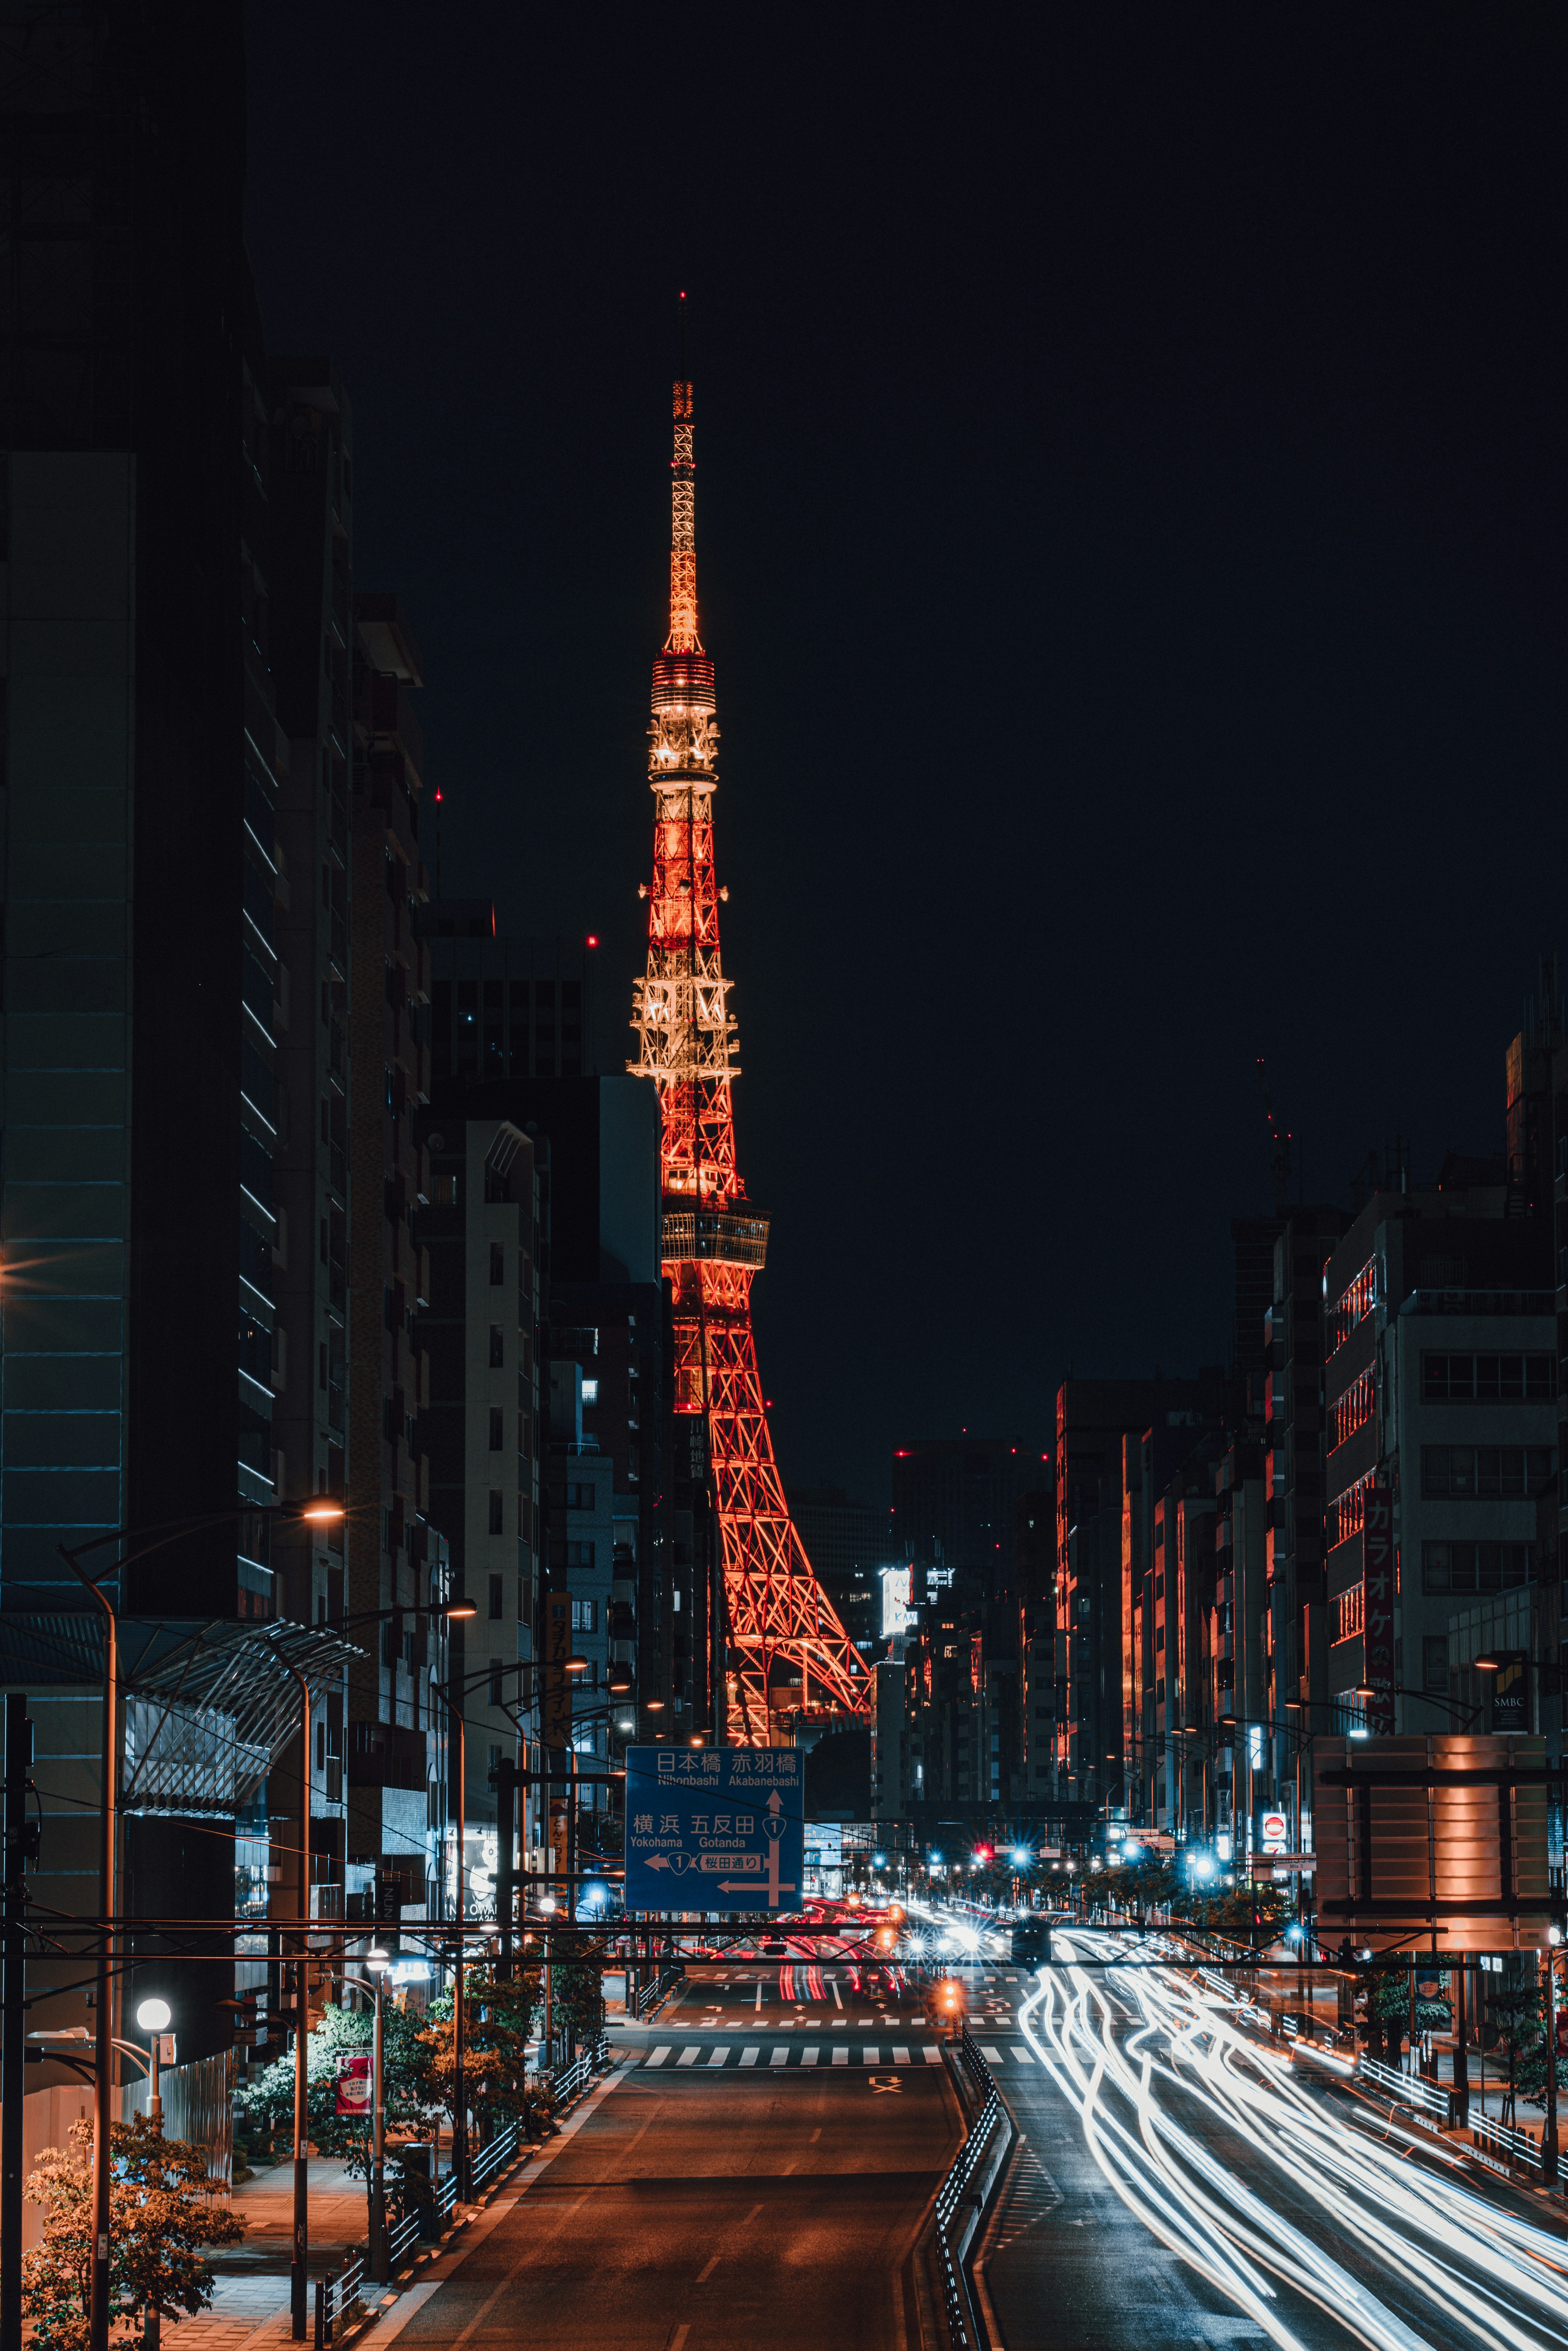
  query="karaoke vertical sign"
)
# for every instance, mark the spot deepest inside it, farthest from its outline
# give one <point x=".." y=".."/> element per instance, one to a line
<point x="1377" y="1611"/>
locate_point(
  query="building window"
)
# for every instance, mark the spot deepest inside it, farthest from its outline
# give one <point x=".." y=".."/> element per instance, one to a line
<point x="1352" y="1411"/>
<point x="1487" y="1379"/>
<point x="495" y="1428"/>
<point x="590" y="1391"/>
<point x="1435" y="1662"/>
<point x="494" y="1761"/>
<point x="1354" y="1304"/>
<point x="1476" y="1566"/>
<point x="495" y="1599"/>
<point x="579" y="1554"/>
<point x="1346" y="1514"/>
<point x="1485" y="1472"/>
<point x="497" y="1264"/>
<point x="496" y="1526"/>
<point x="496" y="1670"/>
<point x="1349" y="1614"/>
<point x="522" y="1600"/>
<point x="497" y="1348"/>
<point x="583" y="1615"/>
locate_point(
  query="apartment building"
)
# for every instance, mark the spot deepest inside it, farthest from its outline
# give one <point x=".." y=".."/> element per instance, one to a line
<point x="1441" y="1388"/>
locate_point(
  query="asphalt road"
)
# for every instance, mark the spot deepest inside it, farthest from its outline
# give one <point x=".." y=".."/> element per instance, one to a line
<point x="718" y="2205"/>
<point x="1340" y="2232"/>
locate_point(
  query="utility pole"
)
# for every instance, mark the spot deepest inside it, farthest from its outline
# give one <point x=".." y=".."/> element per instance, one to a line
<point x="503" y="1779"/>
<point x="14" y="2029"/>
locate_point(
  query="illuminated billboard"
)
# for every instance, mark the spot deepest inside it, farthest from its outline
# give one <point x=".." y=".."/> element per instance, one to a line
<point x="1424" y="1836"/>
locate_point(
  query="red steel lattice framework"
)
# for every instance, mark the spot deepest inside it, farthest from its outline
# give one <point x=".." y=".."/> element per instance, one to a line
<point x="714" y="1243"/>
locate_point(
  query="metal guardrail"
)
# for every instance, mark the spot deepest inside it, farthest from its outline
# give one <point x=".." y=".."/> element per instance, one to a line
<point x="403" y="2237"/>
<point x="1423" y="2097"/>
<point x="335" y="2297"/>
<point x="579" y="2077"/>
<point x="490" y="2159"/>
<point x="953" y="2191"/>
<point x="445" y="2198"/>
<point x="653" y="1993"/>
<point x="1513" y="2146"/>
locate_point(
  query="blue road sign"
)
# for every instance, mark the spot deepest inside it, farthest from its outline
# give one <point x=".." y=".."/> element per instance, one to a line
<point x="714" y="1828"/>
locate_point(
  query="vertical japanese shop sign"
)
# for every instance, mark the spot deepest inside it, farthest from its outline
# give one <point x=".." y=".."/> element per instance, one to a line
<point x="1378" y="1610"/>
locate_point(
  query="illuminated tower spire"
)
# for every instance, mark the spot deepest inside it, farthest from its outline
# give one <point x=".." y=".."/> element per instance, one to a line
<point x="788" y="1654"/>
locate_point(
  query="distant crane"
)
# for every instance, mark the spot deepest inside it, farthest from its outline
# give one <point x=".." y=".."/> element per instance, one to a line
<point x="1280" y="1138"/>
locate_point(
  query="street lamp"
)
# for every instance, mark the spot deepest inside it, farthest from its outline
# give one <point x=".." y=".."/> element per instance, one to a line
<point x="1465" y="1714"/>
<point x="154" y="2017"/>
<point x="378" y="1961"/>
<point x="153" y="1538"/>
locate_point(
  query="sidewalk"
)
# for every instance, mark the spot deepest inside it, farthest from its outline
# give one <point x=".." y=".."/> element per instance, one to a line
<point x="250" y="2304"/>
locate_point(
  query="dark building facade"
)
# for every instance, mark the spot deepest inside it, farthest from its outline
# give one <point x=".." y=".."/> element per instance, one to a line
<point x="848" y="1543"/>
<point x="953" y="1504"/>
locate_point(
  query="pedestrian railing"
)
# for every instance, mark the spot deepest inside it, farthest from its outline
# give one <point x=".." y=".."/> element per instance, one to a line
<point x="1402" y="2089"/>
<point x="445" y="2198"/>
<point x="1514" y="2148"/>
<point x="490" y="2159"/>
<point x="335" y="2298"/>
<point x="957" y="2189"/>
<point x="653" y="1993"/>
<point x="403" y="2237"/>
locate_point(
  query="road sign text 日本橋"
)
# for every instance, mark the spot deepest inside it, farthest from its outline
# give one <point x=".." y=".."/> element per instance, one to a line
<point x="714" y="1828"/>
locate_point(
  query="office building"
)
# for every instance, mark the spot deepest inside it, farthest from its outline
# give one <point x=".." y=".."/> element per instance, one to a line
<point x="396" y="1726"/>
<point x="849" y="1543"/>
<point x="480" y="1425"/>
<point x="1441" y="1386"/>
<point x="953" y="1503"/>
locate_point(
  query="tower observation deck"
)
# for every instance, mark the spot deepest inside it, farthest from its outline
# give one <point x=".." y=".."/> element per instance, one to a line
<point x="788" y="1656"/>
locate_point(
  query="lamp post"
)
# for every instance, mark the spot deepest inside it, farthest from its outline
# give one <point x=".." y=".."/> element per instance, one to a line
<point x="1550" y="2152"/>
<point x="378" y="1961"/>
<point x="154" y="2018"/>
<point x="106" y="1992"/>
<point x="103" y="2080"/>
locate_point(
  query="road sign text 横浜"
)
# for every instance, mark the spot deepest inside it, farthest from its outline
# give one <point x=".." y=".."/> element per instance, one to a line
<point x="714" y="1828"/>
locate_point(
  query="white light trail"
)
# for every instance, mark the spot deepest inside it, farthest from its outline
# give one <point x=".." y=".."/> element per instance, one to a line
<point x="1485" y="2274"/>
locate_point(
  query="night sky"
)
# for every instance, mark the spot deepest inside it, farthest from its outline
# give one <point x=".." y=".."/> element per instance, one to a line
<point x="1130" y="520"/>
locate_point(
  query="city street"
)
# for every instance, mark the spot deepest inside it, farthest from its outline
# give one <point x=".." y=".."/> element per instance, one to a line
<point x="1181" y="2184"/>
<point x="715" y="2202"/>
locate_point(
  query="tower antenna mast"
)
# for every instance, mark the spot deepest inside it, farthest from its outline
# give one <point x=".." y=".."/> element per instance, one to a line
<point x="789" y="1659"/>
<point x="1280" y="1140"/>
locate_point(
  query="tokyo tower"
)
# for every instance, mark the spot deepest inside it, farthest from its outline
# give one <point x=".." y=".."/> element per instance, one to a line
<point x="788" y="1653"/>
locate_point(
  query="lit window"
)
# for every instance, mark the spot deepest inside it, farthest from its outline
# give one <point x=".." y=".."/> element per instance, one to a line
<point x="590" y="1391"/>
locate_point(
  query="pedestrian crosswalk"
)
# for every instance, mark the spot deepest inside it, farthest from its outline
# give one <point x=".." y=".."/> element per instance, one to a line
<point x="757" y="2054"/>
<point x="741" y="2055"/>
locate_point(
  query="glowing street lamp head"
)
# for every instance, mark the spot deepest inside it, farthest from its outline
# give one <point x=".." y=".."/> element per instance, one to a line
<point x="457" y="1611"/>
<point x="154" y="2016"/>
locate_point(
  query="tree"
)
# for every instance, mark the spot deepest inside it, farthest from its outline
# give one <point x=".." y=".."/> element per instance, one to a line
<point x="1531" y="2075"/>
<point x="577" y="1991"/>
<point x="160" y="2217"/>
<point x="499" y="2019"/>
<point x="1251" y="1914"/>
<point x="1517" y="2011"/>
<point x="264" y="2109"/>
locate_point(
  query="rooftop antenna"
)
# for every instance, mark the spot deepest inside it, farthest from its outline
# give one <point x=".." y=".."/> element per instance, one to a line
<point x="1280" y="1140"/>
